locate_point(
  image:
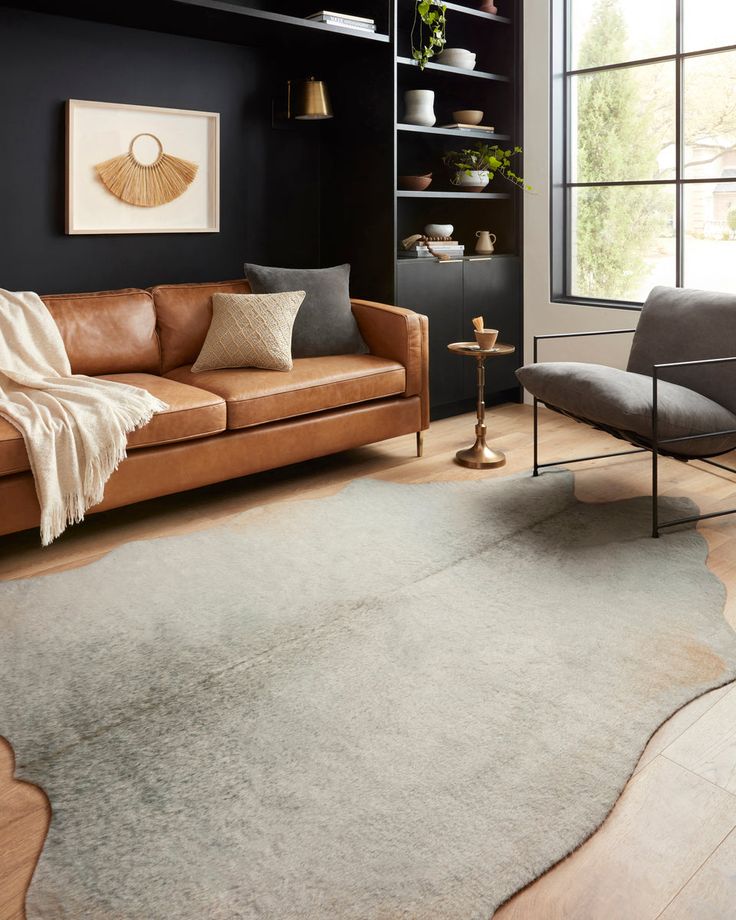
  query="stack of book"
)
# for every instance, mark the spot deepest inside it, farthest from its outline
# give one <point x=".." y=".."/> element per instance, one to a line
<point x="458" y="126"/>
<point x="345" y="20"/>
<point x="450" y="248"/>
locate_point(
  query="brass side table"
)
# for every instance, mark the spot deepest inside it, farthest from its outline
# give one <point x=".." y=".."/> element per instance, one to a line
<point x="480" y="456"/>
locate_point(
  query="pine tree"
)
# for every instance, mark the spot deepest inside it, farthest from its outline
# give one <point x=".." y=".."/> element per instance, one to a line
<point x="614" y="227"/>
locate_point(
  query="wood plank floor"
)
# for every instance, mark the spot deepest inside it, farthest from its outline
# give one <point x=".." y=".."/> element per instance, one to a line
<point x="668" y="849"/>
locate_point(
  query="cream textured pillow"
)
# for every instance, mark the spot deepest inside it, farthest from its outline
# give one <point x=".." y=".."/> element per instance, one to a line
<point x="250" y="330"/>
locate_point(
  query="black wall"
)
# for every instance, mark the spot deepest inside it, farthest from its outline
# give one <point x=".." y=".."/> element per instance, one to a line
<point x="270" y="179"/>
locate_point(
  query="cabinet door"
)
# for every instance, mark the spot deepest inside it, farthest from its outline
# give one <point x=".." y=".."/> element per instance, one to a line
<point x="492" y="289"/>
<point x="436" y="289"/>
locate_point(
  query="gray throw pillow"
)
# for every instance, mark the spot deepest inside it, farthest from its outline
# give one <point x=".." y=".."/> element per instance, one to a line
<point x="325" y="324"/>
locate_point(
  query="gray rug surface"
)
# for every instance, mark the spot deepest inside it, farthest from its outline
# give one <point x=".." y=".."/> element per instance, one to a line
<point x="401" y="701"/>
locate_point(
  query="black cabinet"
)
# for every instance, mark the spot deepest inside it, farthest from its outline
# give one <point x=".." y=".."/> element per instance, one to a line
<point x="451" y="294"/>
<point x="435" y="289"/>
<point x="492" y="289"/>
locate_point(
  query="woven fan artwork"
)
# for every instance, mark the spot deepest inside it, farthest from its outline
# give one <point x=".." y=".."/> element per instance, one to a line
<point x="147" y="185"/>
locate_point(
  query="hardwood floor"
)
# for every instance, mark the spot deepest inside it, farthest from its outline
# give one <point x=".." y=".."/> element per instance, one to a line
<point x="24" y="819"/>
<point x="668" y="849"/>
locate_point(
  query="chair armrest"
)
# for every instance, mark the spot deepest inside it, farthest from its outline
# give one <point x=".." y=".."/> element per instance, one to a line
<point x="399" y="335"/>
<point x="656" y="368"/>
<point x="576" y="335"/>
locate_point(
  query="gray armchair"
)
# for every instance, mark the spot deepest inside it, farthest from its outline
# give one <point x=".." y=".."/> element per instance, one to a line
<point x="676" y="398"/>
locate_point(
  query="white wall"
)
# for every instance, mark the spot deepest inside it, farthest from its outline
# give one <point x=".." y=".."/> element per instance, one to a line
<point x="540" y="315"/>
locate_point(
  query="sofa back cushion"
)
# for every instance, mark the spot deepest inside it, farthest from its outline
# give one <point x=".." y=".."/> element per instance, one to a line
<point x="681" y="324"/>
<point x="184" y="314"/>
<point x="325" y="324"/>
<point x="107" y="332"/>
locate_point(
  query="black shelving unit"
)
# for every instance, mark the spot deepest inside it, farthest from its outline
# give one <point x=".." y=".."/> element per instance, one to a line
<point x="471" y="11"/>
<point x="249" y="23"/>
<point x="458" y="71"/>
<point x="472" y="196"/>
<point x="454" y="132"/>
<point x="451" y="293"/>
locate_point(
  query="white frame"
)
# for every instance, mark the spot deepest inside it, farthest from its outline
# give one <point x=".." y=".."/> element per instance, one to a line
<point x="212" y="225"/>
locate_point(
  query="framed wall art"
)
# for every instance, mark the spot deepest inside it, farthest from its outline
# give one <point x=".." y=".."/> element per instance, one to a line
<point x="141" y="169"/>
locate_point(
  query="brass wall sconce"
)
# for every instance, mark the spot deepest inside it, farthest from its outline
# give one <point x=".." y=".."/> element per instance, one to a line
<point x="306" y="100"/>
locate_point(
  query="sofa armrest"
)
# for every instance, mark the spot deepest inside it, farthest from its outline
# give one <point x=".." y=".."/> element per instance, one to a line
<point x="400" y="335"/>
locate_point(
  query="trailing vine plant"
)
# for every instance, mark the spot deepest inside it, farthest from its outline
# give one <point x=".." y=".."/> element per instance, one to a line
<point x="429" y="15"/>
<point x="488" y="158"/>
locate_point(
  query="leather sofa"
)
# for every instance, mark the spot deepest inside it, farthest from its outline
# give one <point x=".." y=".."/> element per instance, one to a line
<point x="225" y="423"/>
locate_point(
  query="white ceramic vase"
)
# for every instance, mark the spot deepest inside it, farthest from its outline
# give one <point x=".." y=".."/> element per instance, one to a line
<point x="419" y="105"/>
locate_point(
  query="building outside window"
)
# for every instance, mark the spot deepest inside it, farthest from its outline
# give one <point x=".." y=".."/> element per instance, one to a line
<point x="644" y="156"/>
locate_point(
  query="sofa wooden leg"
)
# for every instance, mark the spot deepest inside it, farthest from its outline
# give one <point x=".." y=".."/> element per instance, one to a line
<point x="420" y="443"/>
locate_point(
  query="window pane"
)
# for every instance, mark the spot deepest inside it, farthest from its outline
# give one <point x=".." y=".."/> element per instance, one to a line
<point x="710" y="115"/>
<point x="708" y="24"/>
<point x="613" y="31"/>
<point x="623" y="124"/>
<point x="622" y="240"/>
<point x="710" y="236"/>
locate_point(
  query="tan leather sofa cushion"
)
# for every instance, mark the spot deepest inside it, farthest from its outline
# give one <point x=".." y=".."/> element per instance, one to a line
<point x="192" y="413"/>
<point x="107" y="332"/>
<point x="255" y="396"/>
<point x="184" y="314"/>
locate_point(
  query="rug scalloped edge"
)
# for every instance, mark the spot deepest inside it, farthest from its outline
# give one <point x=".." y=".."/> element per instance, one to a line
<point x="10" y="779"/>
<point x="599" y="825"/>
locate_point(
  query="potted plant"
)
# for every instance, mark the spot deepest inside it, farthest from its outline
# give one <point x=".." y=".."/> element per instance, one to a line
<point x="431" y="15"/>
<point x="474" y="167"/>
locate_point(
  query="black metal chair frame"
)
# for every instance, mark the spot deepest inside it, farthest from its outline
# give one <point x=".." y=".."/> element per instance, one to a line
<point x="657" y="446"/>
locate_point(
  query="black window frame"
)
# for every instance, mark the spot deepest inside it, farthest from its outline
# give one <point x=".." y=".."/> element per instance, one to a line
<point x="561" y="186"/>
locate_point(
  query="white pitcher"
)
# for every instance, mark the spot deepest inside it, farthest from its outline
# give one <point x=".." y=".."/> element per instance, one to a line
<point x="419" y="107"/>
<point x="484" y="246"/>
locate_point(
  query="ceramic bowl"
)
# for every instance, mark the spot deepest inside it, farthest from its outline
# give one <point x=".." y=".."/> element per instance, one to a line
<point x="486" y="338"/>
<point x="439" y="230"/>
<point x="456" y="57"/>
<point x="468" y="116"/>
<point x="415" y="183"/>
<point x="454" y="52"/>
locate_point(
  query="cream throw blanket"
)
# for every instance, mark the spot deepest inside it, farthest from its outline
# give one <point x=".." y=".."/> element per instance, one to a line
<point x="75" y="428"/>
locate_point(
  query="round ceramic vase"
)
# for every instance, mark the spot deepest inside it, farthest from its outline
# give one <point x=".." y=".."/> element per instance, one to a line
<point x="419" y="105"/>
<point x="476" y="181"/>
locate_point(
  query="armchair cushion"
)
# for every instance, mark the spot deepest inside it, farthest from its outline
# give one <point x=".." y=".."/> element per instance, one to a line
<point x="622" y="401"/>
<point x="679" y="324"/>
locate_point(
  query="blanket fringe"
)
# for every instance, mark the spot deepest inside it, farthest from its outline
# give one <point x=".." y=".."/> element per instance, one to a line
<point x="73" y="506"/>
